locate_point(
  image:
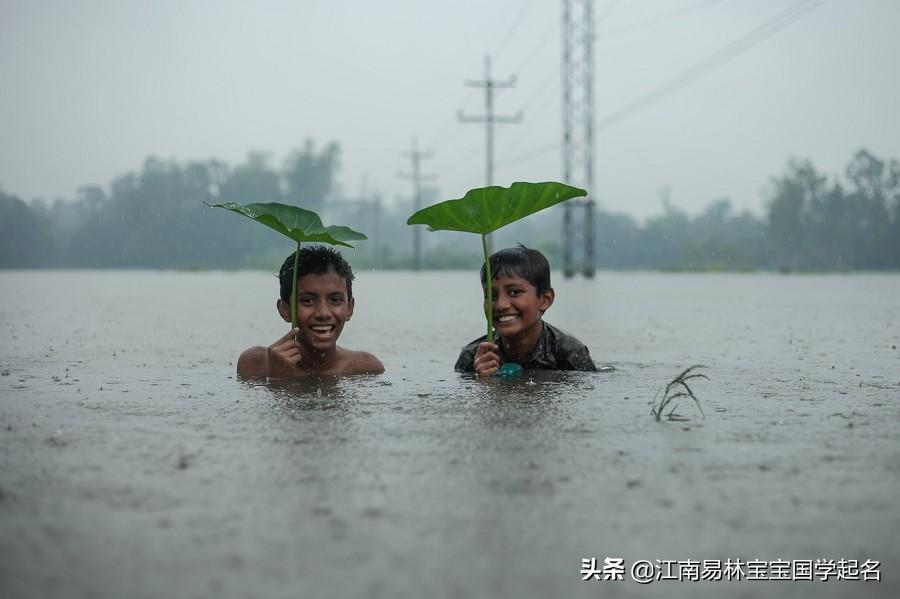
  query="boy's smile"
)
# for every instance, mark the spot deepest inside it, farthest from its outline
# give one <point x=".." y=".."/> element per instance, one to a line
<point x="322" y="310"/>
<point x="518" y="308"/>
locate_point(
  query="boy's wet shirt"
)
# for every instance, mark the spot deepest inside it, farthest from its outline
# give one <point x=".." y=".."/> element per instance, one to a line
<point x="521" y="335"/>
<point x="554" y="350"/>
<point x="520" y="293"/>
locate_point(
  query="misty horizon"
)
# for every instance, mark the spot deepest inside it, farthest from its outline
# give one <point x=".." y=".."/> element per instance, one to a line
<point x="96" y="88"/>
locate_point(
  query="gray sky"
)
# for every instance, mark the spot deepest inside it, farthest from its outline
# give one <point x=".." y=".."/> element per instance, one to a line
<point x="90" y="89"/>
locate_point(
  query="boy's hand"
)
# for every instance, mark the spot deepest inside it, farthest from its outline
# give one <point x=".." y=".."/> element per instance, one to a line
<point x="487" y="362"/>
<point x="284" y="356"/>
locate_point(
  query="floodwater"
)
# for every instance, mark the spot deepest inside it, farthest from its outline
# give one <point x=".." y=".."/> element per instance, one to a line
<point x="134" y="464"/>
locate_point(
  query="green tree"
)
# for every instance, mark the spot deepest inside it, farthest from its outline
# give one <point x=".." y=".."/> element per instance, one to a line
<point x="874" y="186"/>
<point x="23" y="238"/>
<point x="309" y="176"/>
<point x="789" y="214"/>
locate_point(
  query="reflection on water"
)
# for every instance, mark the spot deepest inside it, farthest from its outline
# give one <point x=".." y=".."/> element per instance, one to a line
<point x="136" y="464"/>
<point x="310" y="393"/>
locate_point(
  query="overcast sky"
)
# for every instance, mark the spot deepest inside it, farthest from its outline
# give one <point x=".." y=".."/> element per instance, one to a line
<point x="90" y="89"/>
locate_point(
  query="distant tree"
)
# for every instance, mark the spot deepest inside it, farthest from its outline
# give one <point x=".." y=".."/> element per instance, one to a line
<point x="789" y="232"/>
<point x="618" y="241"/>
<point x="79" y="229"/>
<point x="816" y="226"/>
<point x="309" y="176"/>
<point x="23" y="240"/>
<point x="253" y="181"/>
<point x="723" y="241"/>
<point x="874" y="190"/>
<point x="893" y="178"/>
<point x="664" y="240"/>
<point x="154" y="217"/>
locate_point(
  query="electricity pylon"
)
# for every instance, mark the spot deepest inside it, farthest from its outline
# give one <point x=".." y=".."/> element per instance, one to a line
<point x="578" y="132"/>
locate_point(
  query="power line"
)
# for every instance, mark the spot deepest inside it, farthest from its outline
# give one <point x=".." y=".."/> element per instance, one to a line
<point x="441" y="134"/>
<point x="542" y="41"/>
<point x="531" y="154"/>
<point x="643" y="24"/>
<point x="546" y="36"/>
<point x="543" y="89"/>
<point x="471" y="95"/>
<point x="715" y="60"/>
<point x="607" y="11"/>
<point x="515" y="24"/>
<point x="521" y="134"/>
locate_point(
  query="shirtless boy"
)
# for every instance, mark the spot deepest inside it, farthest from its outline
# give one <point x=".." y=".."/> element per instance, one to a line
<point x="324" y="303"/>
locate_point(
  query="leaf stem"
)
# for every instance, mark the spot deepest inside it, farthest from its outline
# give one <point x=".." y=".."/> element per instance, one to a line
<point x="294" y="288"/>
<point x="488" y="282"/>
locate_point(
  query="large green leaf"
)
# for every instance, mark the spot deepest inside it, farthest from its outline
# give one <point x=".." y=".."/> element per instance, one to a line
<point x="486" y="209"/>
<point x="293" y="222"/>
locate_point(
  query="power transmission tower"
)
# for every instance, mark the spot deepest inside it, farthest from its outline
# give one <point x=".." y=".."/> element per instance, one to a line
<point x="417" y="177"/>
<point x="578" y="132"/>
<point x="489" y="118"/>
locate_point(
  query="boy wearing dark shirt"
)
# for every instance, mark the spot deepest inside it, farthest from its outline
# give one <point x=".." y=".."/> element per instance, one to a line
<point x="522" y="293"/>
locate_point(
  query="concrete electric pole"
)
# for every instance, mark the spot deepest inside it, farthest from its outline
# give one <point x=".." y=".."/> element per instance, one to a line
<point x="417" y="177"/>
<point x="489" y="118"/>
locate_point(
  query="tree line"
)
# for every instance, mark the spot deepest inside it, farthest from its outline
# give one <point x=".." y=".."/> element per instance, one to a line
<point x="156" y="218"/>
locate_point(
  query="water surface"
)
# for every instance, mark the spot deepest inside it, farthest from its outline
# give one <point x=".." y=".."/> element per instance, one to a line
<point x="132" y="463"/>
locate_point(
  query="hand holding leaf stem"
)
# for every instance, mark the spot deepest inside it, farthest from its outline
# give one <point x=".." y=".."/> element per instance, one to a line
<point x="487" y="209"/>
<point x="487" y="360"/>
<point x="283" y="358"/>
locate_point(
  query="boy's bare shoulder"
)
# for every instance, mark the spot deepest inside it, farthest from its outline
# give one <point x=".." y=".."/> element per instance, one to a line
<point x="254" y="362"/>
<point x="362" y="362"/>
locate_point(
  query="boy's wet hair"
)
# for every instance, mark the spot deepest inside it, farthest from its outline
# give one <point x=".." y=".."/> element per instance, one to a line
<point x="523" y="262"/>
<point x="315" y="260"/>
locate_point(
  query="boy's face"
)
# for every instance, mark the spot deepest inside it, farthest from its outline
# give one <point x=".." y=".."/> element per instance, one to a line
<point x="322" y="310"/>
<point x="517" y="306"/>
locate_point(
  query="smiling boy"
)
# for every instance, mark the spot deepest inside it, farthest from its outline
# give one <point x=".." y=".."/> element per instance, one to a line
<point x="324" y="303"/>
<point x="522" y="293"/>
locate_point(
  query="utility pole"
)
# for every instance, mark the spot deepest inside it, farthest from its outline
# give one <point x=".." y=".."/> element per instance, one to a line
<point x="489" y="118"/>
<point x="578" y="130"/>
<point x="375" y="244"/>
<point x="372" y="211"/>
<point x="417" y="177"/>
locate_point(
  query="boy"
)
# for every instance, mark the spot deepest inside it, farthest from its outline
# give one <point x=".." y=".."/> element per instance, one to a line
<point x="522" y="293"/>
<point x="324" y="304"/>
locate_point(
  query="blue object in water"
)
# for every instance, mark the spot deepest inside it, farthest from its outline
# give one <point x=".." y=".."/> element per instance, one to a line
<point x="509" y="370"/>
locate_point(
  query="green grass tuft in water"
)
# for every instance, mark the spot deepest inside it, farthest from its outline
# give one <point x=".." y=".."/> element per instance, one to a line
<point x="675" y="390"/>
